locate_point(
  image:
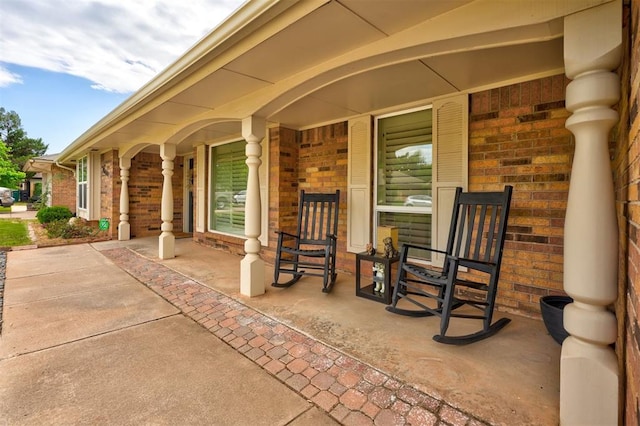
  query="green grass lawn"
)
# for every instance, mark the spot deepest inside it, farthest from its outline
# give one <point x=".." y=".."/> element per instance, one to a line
<point x="14" y="233"/>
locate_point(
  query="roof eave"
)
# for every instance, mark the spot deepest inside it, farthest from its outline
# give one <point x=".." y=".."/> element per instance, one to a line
<point x="216" y="39"/>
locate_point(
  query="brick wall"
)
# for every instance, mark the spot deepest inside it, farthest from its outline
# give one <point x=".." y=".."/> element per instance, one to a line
<point x="283" y="184"/>
<point x="627" y="180"/>
<point x="110" y="191"/>
<point x="145" y="194"/>
<point x="314" y="160"/>
<point x="517" y="137"/>
<point x="322" y="167"/>
<point x="63" y="188"/>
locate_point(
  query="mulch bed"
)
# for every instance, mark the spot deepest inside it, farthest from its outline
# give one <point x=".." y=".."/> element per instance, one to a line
<point x="38" y="235"/>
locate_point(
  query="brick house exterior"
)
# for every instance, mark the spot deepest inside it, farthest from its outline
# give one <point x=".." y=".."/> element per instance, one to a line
<point x="63" y="188"/>
<point x="516" y="136"/>
<point x="58" y="182"/>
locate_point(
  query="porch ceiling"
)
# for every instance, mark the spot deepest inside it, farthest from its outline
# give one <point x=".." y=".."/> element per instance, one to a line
<point x="316" y="61"/>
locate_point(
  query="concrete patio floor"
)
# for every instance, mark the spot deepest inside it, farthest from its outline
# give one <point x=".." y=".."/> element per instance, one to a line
<point x="511" y="378"/>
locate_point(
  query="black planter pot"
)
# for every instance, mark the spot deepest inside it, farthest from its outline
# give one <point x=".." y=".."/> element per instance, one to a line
<point x="552" y="308"/>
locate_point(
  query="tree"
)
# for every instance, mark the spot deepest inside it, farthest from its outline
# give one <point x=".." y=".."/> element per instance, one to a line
<point x="9" y="176"/>
<point x="20" y="147"/>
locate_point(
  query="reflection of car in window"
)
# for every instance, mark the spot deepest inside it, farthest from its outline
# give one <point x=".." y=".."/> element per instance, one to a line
<point x="223" y="199"/>
<point x="6" y="198"/>
<point x="418" y="201"/>
<point x="240" y="197"/>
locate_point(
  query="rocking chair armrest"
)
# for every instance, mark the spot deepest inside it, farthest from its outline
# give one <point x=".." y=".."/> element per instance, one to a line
<point x="478" y="265"/>
<point x="421" y="247"/>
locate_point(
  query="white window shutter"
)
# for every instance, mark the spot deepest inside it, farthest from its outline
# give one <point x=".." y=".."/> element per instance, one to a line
<point x="450" y="162"/>
<point x="359" y="184"/>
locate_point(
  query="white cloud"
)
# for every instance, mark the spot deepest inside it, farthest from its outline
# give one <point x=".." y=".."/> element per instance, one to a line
<point x="8" y="78"/>
<point x="118" y="45"/>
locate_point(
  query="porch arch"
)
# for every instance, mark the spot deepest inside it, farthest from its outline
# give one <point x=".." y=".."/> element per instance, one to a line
<point x="189" y="131"/>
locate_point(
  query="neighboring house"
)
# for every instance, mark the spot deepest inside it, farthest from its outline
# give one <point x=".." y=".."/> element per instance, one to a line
<point x="31" y="187"/>
<point x="352" y="95"/>
<point x="58" y="182"/>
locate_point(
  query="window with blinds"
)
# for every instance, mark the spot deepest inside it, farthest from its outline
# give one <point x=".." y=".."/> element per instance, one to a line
<point x="229" y="174"/>
<point x="404" y="175"/>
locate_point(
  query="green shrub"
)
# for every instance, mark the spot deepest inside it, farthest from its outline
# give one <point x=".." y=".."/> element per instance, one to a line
<point x="55" y="213"/>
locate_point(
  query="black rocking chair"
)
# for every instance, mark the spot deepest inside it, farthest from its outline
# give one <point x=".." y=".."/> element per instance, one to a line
<point x="476" y="241"/>
<point x="313" y="247"/>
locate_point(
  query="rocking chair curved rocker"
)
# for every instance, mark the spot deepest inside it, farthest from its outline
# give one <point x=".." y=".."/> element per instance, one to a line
<point x="313" y="246"/>
<point x="475" y="245"/>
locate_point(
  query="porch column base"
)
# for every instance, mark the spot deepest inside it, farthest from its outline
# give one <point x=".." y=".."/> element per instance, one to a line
<point x="166" y="246"/>
<point x="251" y="276"/>
<point x="124" y="231"/>
<point x="588" y="384"/>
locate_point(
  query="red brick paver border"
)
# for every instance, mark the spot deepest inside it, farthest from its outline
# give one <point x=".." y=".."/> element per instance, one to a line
<point x="352" y="392"/>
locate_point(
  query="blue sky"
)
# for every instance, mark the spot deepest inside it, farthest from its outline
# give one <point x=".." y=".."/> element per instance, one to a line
<point x="65" y="64"/>
<point x="56" y="107"/>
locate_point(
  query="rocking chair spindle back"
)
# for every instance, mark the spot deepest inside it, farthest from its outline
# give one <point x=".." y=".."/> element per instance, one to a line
<point x="469" y="276"/>
<point x="313" y="247"/>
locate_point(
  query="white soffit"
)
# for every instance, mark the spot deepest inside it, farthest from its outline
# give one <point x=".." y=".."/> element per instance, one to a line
<point x="172" y="113"/>
<point x="219" y="87"/>
<point x="146" y="128"/>
<point x="384" y="87"/>
<point x="478" y="68"/>
<point x="371" y="91"/>
<point x="392" y="16"/>
<point x="327" y="32"/>
<point x="215" y="132"/>
<point x="310" y="110"/>
<point x="411" y="82"/>
<point x="115" y="139"/>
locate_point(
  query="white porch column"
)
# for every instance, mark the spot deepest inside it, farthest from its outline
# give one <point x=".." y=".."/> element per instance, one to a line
<point x="252" y="266"/>
<point x="588" y="366"/>
<point x="124" y="228"/>
<point x="166" y="246"/>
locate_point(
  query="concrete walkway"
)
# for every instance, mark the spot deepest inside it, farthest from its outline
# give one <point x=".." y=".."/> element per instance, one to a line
<point x="19" y="212"/>
<point x="84" y="342"/>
